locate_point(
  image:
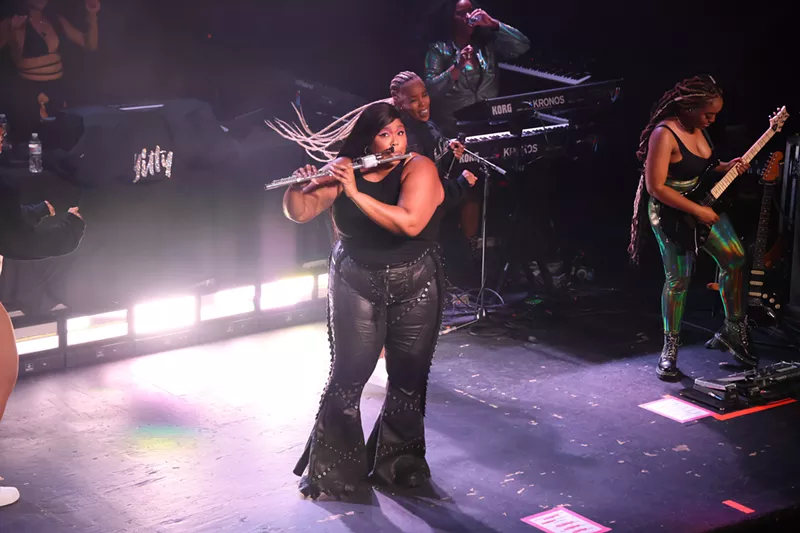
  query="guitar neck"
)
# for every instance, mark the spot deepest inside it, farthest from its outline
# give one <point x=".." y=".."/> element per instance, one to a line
<point x="731" y="175"/>
<point x="763" y="227"/>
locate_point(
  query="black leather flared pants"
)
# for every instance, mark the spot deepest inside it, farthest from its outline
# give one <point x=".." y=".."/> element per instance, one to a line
<point x="399" y="307"/>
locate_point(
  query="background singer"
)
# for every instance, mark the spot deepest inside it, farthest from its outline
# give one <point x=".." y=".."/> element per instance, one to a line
<point x="461" y="68"/>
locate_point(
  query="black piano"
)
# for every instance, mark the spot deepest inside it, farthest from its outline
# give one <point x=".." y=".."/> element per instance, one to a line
<point x="530" y="67"/>
<point x="555" y="101"/>
<point x="556" y="140"/>
<point x="522" y="128"/>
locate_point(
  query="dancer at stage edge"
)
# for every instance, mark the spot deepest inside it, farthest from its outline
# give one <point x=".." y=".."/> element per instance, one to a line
<point x="676" y="150"/>
<point x="22" y="238"/>
<point x="36" y="34"/>
<point x="385" y="289"/>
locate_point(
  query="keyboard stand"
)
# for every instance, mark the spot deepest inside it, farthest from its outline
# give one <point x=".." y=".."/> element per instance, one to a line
<point x="516" y="219"/>
<point x="480" y="315"/>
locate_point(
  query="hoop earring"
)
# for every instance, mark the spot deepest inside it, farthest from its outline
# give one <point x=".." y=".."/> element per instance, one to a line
<point x="366" y="150"/>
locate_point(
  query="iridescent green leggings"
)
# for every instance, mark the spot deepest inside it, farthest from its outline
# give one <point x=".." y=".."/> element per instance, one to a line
<point x="726" y="249"/>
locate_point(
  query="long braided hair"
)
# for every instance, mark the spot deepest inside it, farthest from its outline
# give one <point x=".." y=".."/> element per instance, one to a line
<point x="687" y="94"/>
<point x="323" y="146"/>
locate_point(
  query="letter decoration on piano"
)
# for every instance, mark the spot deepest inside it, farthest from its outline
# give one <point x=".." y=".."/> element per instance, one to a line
<point x="152" y="163"/>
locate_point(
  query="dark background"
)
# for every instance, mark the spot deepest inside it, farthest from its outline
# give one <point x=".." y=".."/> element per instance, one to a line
<point x="242" y="55"/>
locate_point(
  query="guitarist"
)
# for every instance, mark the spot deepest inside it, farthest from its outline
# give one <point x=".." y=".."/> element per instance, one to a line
<point x="676" y="151"/>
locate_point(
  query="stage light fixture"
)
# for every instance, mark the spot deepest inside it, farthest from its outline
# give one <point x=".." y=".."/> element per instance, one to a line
<point x="160" y="316"/>
<point x="287" y="292"/>
<point x="95" y="328"/>
<point x="38" y="338"/>
<point x="229" y="302"/>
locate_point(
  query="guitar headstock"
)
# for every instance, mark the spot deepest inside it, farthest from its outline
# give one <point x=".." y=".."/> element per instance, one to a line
<point x="773" y="167"/>
<point x="778" y="118"/>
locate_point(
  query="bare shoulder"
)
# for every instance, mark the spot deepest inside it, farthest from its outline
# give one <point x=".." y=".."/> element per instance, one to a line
<point x="419" y="164"/>
<point x="661" y="136"/>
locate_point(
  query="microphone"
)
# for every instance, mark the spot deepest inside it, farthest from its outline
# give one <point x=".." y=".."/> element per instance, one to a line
<point x="368" y="161"/>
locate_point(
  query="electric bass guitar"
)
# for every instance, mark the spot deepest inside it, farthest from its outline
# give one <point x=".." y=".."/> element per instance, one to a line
<point x="765" y="272"/>
<point x="683" y="228"/>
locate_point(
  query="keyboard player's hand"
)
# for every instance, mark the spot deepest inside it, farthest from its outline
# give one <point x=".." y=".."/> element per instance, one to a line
<point x="479" y="17"/>
<point x="457" y="148"/>
<point x="471" y="178"/>
<point x="465" y="56"/>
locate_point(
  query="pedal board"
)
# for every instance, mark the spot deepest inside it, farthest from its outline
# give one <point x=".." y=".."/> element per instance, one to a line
<point x="746" y="389"/>
<point x="720" y="398"/>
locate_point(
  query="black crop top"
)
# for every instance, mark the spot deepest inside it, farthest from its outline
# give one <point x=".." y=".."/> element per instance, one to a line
<point x="367" y="242"/>
<point x="691" y="165"/>
<point x="35" y="45"/>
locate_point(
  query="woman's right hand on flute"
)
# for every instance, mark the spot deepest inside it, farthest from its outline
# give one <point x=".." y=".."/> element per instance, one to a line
<point x="316" y="183"/>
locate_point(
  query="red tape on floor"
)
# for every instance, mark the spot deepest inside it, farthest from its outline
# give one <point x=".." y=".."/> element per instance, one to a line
<point x="752" y="410"/>
<point x="738" y="506"/>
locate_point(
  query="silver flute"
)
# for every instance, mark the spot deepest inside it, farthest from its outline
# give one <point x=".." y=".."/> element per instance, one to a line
<point x="369" y="161"/>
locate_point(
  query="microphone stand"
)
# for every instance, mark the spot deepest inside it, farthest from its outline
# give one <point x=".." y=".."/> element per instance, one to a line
<point x="486" y="167"/>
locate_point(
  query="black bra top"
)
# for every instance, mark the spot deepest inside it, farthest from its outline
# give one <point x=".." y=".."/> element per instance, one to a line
<point x="35" y="45"/>
<point x="691" y="165"/>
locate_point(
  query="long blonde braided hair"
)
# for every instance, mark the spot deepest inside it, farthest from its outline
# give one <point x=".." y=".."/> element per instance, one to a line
<point x="323" y="145"/>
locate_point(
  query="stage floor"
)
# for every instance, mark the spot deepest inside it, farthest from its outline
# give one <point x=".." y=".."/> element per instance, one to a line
<point x="204" y="440"/>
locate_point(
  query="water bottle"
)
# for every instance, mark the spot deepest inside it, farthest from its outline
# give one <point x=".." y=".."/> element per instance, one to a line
<point x="35" y="154"/>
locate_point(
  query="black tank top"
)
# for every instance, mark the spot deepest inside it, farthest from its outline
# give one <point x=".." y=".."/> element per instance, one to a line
<point x="690" y="166"/>
<point x="367" y="242"/>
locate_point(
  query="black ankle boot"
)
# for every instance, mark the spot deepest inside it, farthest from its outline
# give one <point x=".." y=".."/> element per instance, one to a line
<point x="667" y="368"/>
<point x="735" y="336"/>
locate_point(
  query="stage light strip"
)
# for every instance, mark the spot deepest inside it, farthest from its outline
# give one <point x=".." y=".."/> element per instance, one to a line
<point x="229" y="302"/>
<point x="141" y="107"/>
<point x="322" y="286"/>
<point x="39" y="338"/>
<point x="171" y="314"/>
<point x="159" y="316"/>
<point x="287" y="292"/>
<point x="94" y="328"/>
